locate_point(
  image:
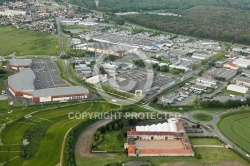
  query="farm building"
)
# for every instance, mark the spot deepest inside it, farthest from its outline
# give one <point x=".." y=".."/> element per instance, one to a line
<point x="18" y="64"/>
<point x="166" y="139"/>
<point x="22" y="84"/>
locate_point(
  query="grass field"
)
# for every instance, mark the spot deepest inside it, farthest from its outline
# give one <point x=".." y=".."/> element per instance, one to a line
<point x="209" y="155"/>
<point x="202" y="117"/>
<point x="205" y="141"/>
<point x="112" y="145"/>
<point x="49" y="147"/>
<point x="237" y="128"/>
<point x="25" y="42"/>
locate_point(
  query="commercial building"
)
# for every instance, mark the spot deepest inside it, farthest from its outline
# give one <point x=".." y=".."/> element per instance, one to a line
<point x="18" y="64"/>
<point x="221" y="73"/>
<point x="57" y="94"/>
<point x="169" y="98"/>
<point x="200" y="55"/>
<point x="245" y="81"/>
<point x="240" y="62"/>
<point x="22" y="84"/>
<point x="22" y="81"/>
<point x="208" y="82"/>
<point x="231" y="65"/>
<point x="97" y="79"/>
<point x="164" y="139"/>
<point x="246" y="73"/>
<point x="237" y="88"/>
<point x="105" y="48"/>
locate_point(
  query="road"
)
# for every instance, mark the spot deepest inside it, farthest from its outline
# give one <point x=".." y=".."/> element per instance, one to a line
<point x="60" y="35"/>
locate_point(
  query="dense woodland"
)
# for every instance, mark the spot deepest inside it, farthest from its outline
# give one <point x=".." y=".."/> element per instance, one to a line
<point x="146" y="5"/>
<point x="211" y="22"/>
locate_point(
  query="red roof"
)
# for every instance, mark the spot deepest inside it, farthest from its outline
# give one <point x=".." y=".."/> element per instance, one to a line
<point x="166" y="151"/>
<point x="131" y="149"/>
<point x="231" y="64"/>
<point x="179" y="126"/>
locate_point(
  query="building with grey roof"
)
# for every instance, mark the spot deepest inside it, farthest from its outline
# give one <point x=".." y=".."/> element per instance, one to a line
<point x="246" y="73"/>
<point x="221" y="73"/>
<point x="24" y="80"/>
<point x="18" y="64"/>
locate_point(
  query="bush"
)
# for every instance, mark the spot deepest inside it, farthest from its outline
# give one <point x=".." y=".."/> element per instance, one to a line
<point x="198" y="156"/>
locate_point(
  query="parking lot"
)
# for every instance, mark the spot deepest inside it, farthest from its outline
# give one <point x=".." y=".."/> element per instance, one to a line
<point x="47" y="74"/>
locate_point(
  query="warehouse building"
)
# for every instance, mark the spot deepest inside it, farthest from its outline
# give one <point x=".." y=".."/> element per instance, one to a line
<point x="169" y="98"/>
<point x="240" y="62"/>
<point x="163" y="139"/>
<point x="231" y="65"/>
<point x="237" y="88"/>
<point x="18" y="64"/>
<point x="208" y="82"/>
<point x="97" y="79"/>
<point x="221" y="73"/>
<point x="246" y="73"/>
<point x="22" y="84"/>
<point x="245" y="81"/>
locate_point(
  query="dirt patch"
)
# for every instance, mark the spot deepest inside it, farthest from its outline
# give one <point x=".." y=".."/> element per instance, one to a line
<point x="84" y="142"/>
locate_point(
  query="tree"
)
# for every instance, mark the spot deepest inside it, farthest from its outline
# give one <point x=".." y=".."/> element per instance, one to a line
<point x="164" y="68"/>
<point x="110" y="128"/>
<point x="107" y="136"/>
<point x="116" y="126"/>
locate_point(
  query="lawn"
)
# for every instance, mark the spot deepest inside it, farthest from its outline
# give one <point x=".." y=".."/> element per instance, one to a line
<point x="111" y="144"/>
<point x="205" y="141"/>
<point x="209" y="155"/>
<point x="237" y="128"/>
<point x="202" y="117"/>
<point x="25" y="42"/>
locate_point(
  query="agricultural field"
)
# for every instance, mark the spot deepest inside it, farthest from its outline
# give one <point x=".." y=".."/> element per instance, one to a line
<point x="202" y="117"/>
<point x="25" y="42"/>
<point x="44" y="131"/>
<point x="237" y="128"/>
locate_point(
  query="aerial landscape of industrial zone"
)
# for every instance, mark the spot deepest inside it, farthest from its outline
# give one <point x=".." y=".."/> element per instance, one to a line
<point x="125" y="83"/>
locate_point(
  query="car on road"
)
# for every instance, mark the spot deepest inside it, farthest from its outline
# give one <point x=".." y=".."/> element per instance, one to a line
<point x="247" y="155"/>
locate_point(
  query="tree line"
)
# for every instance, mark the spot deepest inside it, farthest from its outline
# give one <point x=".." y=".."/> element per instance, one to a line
<point x="231" y="29"/>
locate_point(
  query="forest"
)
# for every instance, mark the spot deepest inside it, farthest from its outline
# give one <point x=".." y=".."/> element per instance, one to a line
<point x="147" y="5"/>
<point x="218" y="23"/>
